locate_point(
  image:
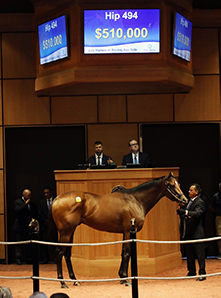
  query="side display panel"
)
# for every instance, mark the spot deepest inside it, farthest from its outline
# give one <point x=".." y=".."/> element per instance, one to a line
<point x="53" y="40"/>
<point x="182" y="37"/>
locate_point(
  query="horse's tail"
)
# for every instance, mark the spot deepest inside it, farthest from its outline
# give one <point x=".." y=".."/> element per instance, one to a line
<point x="52" y="232"/>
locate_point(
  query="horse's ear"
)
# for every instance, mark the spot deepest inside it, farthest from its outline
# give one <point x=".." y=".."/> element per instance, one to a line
<point x="170" y="175"/>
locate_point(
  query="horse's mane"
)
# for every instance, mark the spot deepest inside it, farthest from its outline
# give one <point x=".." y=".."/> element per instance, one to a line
<point x="144" y="186"/>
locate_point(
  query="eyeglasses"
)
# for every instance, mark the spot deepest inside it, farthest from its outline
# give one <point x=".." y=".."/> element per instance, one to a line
<point x="135" y="144"/>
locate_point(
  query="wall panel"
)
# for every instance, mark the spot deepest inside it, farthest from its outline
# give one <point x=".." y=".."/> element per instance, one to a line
<point x="0" y="102"/>
<point x="202" y="103"/>
<point x="1" y="148"/>
<point x="146" y="108"/>
<point x="114" y="137"/>
<point x="19" y="56"/>
<point x="22" y="106"/>
<point x="2" y="208"/>
<point x="0" y="54"/>
<point x="206" y="50"/>
<point x="112" y="108"/>
<point x="76" y="109"/>
<point x="2" y="237"/>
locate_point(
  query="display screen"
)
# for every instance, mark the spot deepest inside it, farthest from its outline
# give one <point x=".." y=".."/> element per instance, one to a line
<point x="53" y="40"/>
<point x="122" y="31"/>
<point x="182" y="37"/>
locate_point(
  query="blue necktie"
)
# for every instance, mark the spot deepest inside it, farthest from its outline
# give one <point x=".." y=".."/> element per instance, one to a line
<point x="135" y="159"/>
<point x="49" y="204"/>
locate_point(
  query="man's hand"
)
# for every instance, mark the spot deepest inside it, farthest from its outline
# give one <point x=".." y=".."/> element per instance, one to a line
<point x="181" y="212"/>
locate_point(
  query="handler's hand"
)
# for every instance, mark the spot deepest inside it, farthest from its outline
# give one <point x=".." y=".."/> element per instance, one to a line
<point x="181" y="211"/>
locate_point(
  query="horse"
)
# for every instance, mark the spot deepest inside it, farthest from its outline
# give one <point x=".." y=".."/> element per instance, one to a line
<point x="73" y="208"/>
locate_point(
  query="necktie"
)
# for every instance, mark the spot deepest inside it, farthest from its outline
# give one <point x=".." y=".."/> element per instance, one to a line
<point x="49" y="204"/>
<point x="135" y="159"/>
<point x="189" y="204"/>
<point x="99" y="162"/>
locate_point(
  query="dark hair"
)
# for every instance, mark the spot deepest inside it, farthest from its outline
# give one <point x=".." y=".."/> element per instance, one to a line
<point x="59" y="295"/>
<point x="132" y="140"/>
<point x="197" y="187"/>
<point x="98" y="143"/>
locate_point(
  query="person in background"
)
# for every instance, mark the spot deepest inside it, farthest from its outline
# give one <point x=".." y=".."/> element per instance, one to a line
<point x="59" y="295"/>
<point x="215" y="206"/>
<point x="193" y="226"/>
<point x="99" y="158"/>
<point x="44" y="207"/>
<point x="5" y="292"/>
<point x="38" y="295"/>
<point x="136" y="157"/>
<point x="25" y="210"/>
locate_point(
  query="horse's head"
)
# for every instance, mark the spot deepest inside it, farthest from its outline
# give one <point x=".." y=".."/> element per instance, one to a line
<point x="33" y="226"/>
<point x="173" y="190"/>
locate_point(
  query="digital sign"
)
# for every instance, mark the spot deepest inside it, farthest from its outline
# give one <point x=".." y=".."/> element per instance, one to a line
<point x="121" y="31"/>
<point x="182" y="37"/>
<point x="53" y="40"/>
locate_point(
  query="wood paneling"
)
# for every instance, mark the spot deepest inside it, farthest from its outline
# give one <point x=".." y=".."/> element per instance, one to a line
<point x="146" y="108"/>
<point x="0" y="54"/>
<point x="2" y="236"/>
<point x="0" y="102"/>
<point x="206" y="51"/>
<point x="75" y="109"/>
<point x="2" y="208"/>
<point x="22" y="106"/>
<point x="114" y="137"/>
<point x="18" y="55"/>
<point x="112" y="108"/>
<point x="206" y="18"/>
<point x="1" y="148"/>
<point x="21" y="22"/>
<point x="202" y="103"/>
<point x="161" y="223"/>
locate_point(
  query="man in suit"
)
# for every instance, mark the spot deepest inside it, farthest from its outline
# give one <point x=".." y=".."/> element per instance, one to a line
<point x="192" y="214"/>
<point x="25" y="210"/>
<point x="99" y="158"/>
<point x="44" y="207"/>
<point x="136" y="157"/>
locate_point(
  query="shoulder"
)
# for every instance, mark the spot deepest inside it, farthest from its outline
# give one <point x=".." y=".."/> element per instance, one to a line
<point x="199" y="201"/>
<point x="128" y="155"/>
<point x="92" y="157"/>
<point x="19" y="201"/>
<point x="143" y="154"/>
<point x="106" y="156"/>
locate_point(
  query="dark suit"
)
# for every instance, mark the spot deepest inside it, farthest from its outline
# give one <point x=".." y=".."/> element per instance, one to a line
<point x="195" y="230"/>
<point x="105" y="158"/>
<point x="143" y="159"/>
<point x="43" y="220"/>
<point x="23" y="216"/>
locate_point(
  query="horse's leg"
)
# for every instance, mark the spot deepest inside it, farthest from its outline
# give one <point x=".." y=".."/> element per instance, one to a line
<point x="58" y="258"/>
<point x="60" y="252"/>
<point x="125" y="257"/>
<point x="69" y="264"/>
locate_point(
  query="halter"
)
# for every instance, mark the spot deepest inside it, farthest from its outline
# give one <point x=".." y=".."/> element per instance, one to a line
<point x="174" y="194"/>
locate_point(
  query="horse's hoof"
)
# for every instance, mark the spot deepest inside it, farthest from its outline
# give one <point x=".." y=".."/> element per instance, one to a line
<point x="64" y="286"/>
<point x="126" y="282"/>
<point x="76" y="283"/>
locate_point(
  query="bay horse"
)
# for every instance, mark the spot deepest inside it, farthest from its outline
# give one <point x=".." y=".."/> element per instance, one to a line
<point x="111" y="213"/>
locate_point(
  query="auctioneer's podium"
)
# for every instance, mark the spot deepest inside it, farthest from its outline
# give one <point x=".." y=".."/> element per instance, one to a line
<point x="161" y="224"/>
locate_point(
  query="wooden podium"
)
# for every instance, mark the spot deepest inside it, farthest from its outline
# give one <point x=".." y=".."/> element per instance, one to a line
<point x="161" y="224"/>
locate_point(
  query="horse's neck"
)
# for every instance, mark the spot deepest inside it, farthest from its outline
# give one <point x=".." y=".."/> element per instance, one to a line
<point x="149" y="198"/>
